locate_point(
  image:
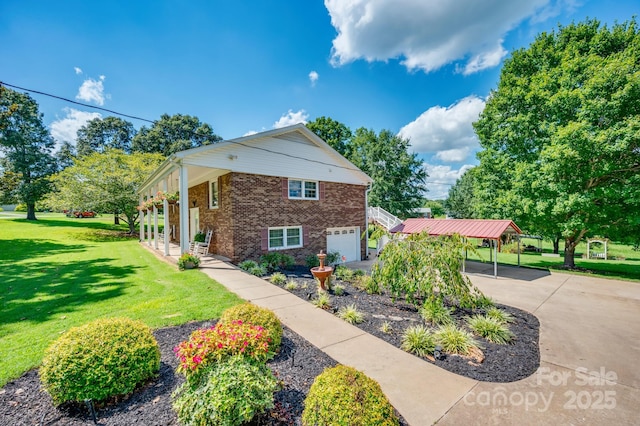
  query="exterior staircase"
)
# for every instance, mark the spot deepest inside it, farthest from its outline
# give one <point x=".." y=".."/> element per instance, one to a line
<point x="383" y="217"/>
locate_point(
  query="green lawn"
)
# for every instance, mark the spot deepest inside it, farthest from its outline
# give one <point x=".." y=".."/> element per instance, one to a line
<point x="59" y="272"/>
<point x="622" y="262"/>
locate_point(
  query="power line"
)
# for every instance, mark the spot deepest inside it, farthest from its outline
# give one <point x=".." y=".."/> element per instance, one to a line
<point x="77" y="103"/>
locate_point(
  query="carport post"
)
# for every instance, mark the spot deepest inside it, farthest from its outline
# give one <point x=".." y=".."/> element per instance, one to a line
<point x="495" y="260"/>
<point x="518" y="237"/>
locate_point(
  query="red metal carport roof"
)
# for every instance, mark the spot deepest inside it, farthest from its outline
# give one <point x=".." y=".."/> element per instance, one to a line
<point x="471" y="228"/>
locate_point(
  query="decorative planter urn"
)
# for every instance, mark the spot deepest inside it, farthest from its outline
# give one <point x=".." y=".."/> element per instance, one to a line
<point x="322" y="272"/>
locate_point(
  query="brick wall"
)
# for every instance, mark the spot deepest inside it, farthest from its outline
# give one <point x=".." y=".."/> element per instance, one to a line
<point x="250" y="203"/>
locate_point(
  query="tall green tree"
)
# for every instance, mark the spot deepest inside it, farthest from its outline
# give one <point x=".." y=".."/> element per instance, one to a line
<point x="104" y="182"/>
<point x="336" y="134"/>
<point x="461" y="202"/>
<point x="27" y="146"/>
<point x="565" y="123"/>
<point x="101" y="134"/>
<point x="65" y="155"/>
<point x="173" y="133"/>
<point x="399" y="176"/>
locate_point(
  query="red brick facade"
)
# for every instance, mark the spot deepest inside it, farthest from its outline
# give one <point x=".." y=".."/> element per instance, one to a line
<point x="249" y="204"/>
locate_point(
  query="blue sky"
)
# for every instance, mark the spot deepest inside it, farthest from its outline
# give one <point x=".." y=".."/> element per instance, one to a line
<point x="420" y="68"/>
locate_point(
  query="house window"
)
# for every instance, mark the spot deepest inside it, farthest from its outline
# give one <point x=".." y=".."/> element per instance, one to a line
<point x="213" y="194"/>
<point x="303" y="189"/>
<point x="284" y="238"/>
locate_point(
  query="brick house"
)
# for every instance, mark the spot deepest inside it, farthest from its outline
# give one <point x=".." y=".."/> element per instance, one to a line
<point x="283" y="189"/>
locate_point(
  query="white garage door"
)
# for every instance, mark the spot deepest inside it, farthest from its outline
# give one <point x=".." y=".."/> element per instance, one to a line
<point x="346" y="241"/>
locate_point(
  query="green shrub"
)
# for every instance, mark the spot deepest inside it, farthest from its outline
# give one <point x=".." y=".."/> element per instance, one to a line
<point x="185" y="259"/>
<point x="323" y="301"/>
<point x="386" y="327"/>
<point x="344" y="396"/>
<point x="278" y="278"/>
<point x="491" y="329"/>
<point x="311" y="261"/>
<point x="434" y="312"/>
<point x="499" y="315"/>
<point x="224" y="340"/>
<point x="338" y="290"/>
<point x="277" y="261"/>
<point x="333" y="258"/>
<point x="483" y="301"/>
<point x="99" y="360"/>
<point x="343" y="273"/>
<point x="368" y="284"/>
<point x="247" y="265"/>
<point x="253" y="314"/>
<point x="230" y="392"/>
<point x="418" y="340"/>
<point x="200" y="237"/>
<point x="455" y="340"/>
<point x="351" y="314"/>
<point x="258" y="271"/>
<point x="291" y="285"/>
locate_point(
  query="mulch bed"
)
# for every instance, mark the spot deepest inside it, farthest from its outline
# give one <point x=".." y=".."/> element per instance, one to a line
<point x="503" y="363"/>
<point x="23" y="402"/>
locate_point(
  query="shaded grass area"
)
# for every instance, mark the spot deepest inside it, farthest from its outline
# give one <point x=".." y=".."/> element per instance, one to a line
<point x="57" y="273"/>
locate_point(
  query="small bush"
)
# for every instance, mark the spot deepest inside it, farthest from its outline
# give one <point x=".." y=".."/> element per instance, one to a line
<point x="278" y="278"/>
<point x="454" y="340"/>
<point x="434" y="312"/>
<point x="253" y="314"/>
<point x="231" y="392"/>
<point x="258" y="271"/>
<point x="483" y="301"/>
<point x="274" y="261"/>
<point x="291" y="285"/>
<point x="99" y="360"/>
<point x="338" y="290"/>
<point x="491" y="329"/>
<point x="224" y="340"/>
<point x="368" y="284"/>
<point x="343" y="273"/>
<point x="351" y="314"/>
<point x="311" y="261"/>
<point x="333" y="258"/>
<point x="386" y="327"/>
<point x="344" y="396"/>
<point x="500" y="315"/>
<point x="323" y="301"/>
<point x="418" y="340"/>
<point x="247" y="265"/>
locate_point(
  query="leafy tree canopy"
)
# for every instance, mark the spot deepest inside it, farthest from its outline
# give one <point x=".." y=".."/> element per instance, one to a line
<point x="99" y="135"/>
<point x="336" y="134"/>
<point x="563" y="128"/>
<point x="398" y="176"/>
<point x="27" y="147"/>
<point x="174" y="133"/>
<point x="104" y="182"/>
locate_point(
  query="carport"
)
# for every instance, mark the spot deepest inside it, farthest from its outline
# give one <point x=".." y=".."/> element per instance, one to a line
<point x="486" y="229"/>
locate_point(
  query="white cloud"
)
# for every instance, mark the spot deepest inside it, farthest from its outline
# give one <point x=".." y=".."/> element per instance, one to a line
<point x="250" y="132"/>
<point x="65" y="129"/>
<point x="428" y="34"/>
<point x="92" y="91"/>
<point x="291" y="118"/>
<point x="441" y="179"/>
<point x="313" y="78"/>
<point x="78" y="70"/>
<point x="446" y="131"/>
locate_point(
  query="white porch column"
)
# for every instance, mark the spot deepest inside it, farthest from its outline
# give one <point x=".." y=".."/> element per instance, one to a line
<point x="148" y="227"/>
<point x="141" y="219"/>
<point x="184" y="209"/>
<point x="155" y="227"/>
<point x="165" y="188"/>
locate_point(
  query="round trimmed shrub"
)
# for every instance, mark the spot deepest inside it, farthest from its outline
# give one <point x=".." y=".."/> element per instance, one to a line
<point x="99" y="360"/>
<point x="342" y="395"/>
<point x="231" y="392"/>
<point x="248" y="312"/>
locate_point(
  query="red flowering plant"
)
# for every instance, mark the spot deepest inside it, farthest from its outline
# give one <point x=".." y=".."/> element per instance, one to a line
<point x="219" y="342"/>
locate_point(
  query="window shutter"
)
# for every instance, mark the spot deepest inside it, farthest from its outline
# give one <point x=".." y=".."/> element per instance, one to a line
<point x="264" y="239"/>
<point x="305" y="235"/>
<point x="321" y="190"/>
<point x="285" y="188"/>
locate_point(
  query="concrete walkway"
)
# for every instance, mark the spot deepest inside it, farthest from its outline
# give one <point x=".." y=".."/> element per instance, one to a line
<point x="589" y="342"/>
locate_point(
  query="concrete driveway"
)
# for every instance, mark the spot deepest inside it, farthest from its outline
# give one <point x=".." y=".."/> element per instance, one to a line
<point x="589" y="351"/>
